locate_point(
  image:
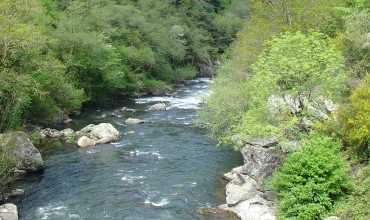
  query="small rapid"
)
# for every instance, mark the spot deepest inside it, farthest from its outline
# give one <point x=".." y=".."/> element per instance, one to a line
<point x="164" y="169"/>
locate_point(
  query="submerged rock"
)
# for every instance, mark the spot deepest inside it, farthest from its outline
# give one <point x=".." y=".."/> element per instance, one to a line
<point x="133" y="121"/>
<point x="125" y="109"/>
<point x="23" y="154"/>
<point x="158" y="107"/>
<point x="8" y="212"/>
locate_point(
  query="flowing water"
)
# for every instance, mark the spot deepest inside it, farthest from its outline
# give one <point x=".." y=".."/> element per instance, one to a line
<point x="163" y="169"/>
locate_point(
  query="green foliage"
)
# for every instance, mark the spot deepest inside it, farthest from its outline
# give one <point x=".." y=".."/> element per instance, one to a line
<point x="234" y="94"/>
<point x="56" y="55"/>
<point x="31" y="77"/>
<point x="354" y="120"/>
<point x="311" y="180"/>
<point x="297" y="63"/>
<point x="357" y="205"/>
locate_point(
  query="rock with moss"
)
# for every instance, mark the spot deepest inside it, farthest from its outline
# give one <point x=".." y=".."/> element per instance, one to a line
<point x="23" y="155"/>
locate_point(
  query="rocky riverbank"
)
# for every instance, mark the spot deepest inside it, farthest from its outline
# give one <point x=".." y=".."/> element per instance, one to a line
<point x="245" y="194"/>
<point x="21" y="157"/>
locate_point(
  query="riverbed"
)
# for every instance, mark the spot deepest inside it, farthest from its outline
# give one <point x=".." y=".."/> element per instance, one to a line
<point x="164" y="169"/>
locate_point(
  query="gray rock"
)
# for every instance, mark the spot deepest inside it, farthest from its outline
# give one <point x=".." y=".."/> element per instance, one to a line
<point x="234" y="172"/>
<point x="255" y="208"/>
<point x="158" y="107"/>
<point x="241" y="188"/>
<point x="207" y="68"/>
<point x="317" y="108"/>
<point x="85" y="142"/>
<point x="22" y="153"/>
<point x="105" y="130"/>
<point x="134" y="121"/>
<point x="261" y="162"/>
<point x="97" y="134"/>
<point x="8" y="212"/>
<point x="263" y="142"/>
<point x="50" y="133"/>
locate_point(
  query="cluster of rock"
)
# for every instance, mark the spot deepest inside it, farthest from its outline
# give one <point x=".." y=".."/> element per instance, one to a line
<point x="90" y="135"/>
<point x="22" y="157"/>
<point x="245" y="195"/>
<point x="314" y="109"/>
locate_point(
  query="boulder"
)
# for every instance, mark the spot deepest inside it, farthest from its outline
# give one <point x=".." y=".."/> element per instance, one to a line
<point x="261" y="162"/>
<point x="85" y="142"/>
<point x="97" y="134"/>
<point x="241" y="188"/>
<point x="8" y="212"/>
<point x="158" y="107"/>
<point x="105" y="130"/>
<point x="255" y="208"/>
<point x="134" y="121"/>
<point x="21" y="151"/>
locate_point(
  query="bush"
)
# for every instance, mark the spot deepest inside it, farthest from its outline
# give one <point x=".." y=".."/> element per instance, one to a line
<point x="357" y="205"/>
<point x="311" y="180"/>
<point x="354" y="120"/>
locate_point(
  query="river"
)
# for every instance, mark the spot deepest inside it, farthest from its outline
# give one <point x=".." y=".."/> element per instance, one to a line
<point x="164" y="169"/>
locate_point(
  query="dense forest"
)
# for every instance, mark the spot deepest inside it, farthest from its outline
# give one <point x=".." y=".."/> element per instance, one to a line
<point x="299" y="72"/>
<point x="292" y="70"/>
<point x="57" y="55"/>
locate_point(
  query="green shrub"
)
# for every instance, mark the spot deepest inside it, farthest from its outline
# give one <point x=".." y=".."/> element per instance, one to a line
<point x="357" y="205"/>
<point x="354" y="120"/>
<point x="311" y="180"/>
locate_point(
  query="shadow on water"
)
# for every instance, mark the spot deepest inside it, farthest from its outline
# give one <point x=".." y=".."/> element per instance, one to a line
<point x="166" y="168"/>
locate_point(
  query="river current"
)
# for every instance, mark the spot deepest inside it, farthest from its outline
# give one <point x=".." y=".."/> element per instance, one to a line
<point x="164" y="169"/>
